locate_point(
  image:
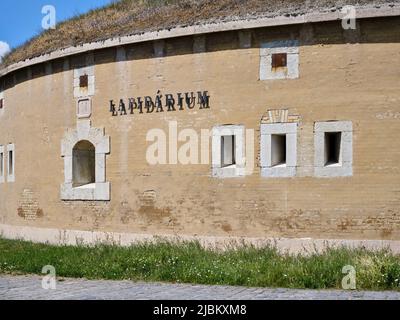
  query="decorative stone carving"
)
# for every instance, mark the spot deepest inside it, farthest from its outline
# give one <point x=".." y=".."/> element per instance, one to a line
<point x="84" y="107"/>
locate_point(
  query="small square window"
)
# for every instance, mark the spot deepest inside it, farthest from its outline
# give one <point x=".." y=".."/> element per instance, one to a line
<point x="227" y="151"/>
<point x="279" y="60"/>
<point x="278" y="146"/>
<point x="84" y="81"/>
<point x="333" y="145"/>
<point x="278" y="150"/>
<point x="332" y="148"/>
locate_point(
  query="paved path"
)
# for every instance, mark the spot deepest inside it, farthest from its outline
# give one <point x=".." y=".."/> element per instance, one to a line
<point x="30" y="287"/>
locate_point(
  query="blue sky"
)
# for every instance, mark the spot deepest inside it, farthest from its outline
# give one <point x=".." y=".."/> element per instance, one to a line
<point x="22" y="19"/>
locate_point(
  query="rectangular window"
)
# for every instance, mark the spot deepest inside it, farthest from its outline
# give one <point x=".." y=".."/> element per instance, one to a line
<point x="83" y="81"/>
<point x="333" y="145"/>
<point x="279" y="60"/>
<point x="332" y="148"/>
<point x="10" y="163"/>
<point x="227" y="151"/>
<point x="1" y="103"/>
<point x="1" y="164"/>
<point x="278" y="150"/>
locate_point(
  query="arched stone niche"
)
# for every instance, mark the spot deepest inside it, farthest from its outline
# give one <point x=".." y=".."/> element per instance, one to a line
<point x="100" y="188"/>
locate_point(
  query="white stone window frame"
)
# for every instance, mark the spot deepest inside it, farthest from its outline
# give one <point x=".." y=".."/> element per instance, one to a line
<point x="345" y="166"/>
<point x="2" y="164"/>
<point x="11" y="176"/>
<point x="291" y="48"/>
<point x="237" y="169"/>
<point x="100" y="190"/>
<point x="90" y="90"/>
<point x="280" y="171"/>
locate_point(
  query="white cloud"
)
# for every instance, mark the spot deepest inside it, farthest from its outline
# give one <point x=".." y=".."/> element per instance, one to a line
<point x="4" y="49"/>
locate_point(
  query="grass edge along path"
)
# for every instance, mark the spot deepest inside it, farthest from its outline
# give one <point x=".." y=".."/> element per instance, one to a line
<point x="189" y="262"/>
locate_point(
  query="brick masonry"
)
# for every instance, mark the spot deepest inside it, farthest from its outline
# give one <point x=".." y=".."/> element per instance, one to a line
<point x="338" y="80"/>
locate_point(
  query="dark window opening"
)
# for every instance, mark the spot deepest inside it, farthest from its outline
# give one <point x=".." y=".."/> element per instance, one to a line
<point x="1" y="103"/>
<point x="332" y="148"/>
<point x="278" y="150"/>
<point x="1" y="164"/>
<point x="83" y="165"/>
<point x="279" y="60"/>
<point x="84" y="81"/>
<point x="228" y="151"/>
<point x="10" y="163"/>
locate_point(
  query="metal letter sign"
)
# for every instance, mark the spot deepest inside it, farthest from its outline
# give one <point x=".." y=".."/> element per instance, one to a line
<point x="167" y="103"/>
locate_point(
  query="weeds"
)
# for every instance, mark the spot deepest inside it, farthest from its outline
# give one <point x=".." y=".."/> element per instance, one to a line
<point x="188" y="262"/>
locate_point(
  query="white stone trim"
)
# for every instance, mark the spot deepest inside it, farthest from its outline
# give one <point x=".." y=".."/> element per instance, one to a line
<point x="366" y="11"/>
<point x="90" y="90"/>
<point x="288" y="170"/>
<point x="303" y="246"/>
<point x="84" y="107"/>
<point x="100" y="190"/>
<point x="10" y="176"/>
<point x="2" y="165"/>
<point x="291" y="48"/>
<point x="238" y="169"/>
<point x="345" y="167"/>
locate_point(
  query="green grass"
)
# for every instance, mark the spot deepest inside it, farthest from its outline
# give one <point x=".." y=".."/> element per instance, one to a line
<point x="188" y="262"/>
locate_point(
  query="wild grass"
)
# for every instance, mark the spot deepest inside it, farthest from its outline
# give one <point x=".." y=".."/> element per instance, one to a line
<point x="127" y="17"/>
<point x="189" y="262"/>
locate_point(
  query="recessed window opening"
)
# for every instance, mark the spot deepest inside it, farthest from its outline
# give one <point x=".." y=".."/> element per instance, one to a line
<point x="279" y="60"/>
<point x="1" y="164"/>
<point x="84" y="81"/>
<point x="1" y="103"/>
<point x="83" y="165"/>
<point x="332" y="148"/>
<point x="228" y="151"/>
<point x="10" y="163"/>
<point x="278" y="150"/>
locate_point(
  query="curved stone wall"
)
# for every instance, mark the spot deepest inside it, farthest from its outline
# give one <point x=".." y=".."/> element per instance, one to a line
<point x="347" y="82"/>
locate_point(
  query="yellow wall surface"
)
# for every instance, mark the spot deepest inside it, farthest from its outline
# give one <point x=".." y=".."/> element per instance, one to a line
<point x="344" y="75"/>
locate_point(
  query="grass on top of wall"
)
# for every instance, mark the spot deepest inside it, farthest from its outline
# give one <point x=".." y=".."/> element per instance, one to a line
<point x="128" y="17"/>
<point x="188" y="262"/>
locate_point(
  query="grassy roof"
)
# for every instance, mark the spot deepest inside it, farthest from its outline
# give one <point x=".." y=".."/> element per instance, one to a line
<point x="128" y="17"/>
